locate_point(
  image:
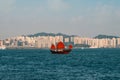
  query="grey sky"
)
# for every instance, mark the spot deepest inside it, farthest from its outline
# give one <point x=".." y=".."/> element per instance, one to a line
<point x="79" y="17"/>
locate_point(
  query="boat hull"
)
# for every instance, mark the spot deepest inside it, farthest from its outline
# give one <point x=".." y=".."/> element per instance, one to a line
<point x="66" y="51"/>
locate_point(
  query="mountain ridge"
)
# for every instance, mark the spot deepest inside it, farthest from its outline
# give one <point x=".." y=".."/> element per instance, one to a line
<point x="100" y="36"/>
<point x="50" y="34"/>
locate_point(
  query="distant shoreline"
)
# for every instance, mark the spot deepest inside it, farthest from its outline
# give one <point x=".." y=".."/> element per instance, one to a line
<point x="48" y="48"/>
<point x="24" y="48"/>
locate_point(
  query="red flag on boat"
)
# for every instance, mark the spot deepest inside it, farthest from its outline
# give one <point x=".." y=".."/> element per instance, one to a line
<point x="60" y="45"/>
<point x="52" y="46"/>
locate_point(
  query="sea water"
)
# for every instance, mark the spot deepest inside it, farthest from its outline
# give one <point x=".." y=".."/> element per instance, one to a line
<point x="40" y="64"/>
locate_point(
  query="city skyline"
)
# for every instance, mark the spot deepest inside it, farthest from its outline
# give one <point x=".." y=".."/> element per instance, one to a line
<point x="76" y="17"/>
<point x="45" y="41"/>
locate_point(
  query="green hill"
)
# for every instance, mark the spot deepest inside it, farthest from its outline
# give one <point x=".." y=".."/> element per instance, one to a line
<point x="49" y="34"/>
<point x="105" y="36"/>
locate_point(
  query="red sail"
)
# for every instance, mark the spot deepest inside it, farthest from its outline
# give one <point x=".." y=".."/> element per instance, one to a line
<point x="60" y="45"/>
<point x="70" y="46"/>
<point x="52" y="46"/>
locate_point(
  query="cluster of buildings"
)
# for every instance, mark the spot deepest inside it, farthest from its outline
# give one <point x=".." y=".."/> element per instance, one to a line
<point x="31" y="42"/>
<point x="98" y="43"/>
<point x="46" y="41"/>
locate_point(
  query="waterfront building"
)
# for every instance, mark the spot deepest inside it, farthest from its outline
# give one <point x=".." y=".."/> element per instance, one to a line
<point x="113" y="42"/>
<point x="118" y="42"/>
<point x="58" y="39"/>
<point x="46" y="41"/>
<point x="66" y="40"/>
<point x="1" y="42"/>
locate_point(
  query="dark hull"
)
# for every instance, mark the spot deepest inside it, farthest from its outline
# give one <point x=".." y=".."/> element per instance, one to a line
<point x="66" y="51"/>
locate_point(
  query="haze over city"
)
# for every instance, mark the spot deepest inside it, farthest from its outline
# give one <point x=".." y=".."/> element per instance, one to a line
<point x="78" y="17"/>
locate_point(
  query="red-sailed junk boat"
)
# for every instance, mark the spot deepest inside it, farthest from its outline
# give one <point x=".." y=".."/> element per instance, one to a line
<point x="60" y="48"/>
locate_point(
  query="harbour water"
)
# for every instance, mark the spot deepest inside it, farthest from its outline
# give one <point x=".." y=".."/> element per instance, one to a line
<point x="40" y="64"/>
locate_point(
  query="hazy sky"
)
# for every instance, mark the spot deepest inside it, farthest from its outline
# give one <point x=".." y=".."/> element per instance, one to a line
<point x="86" y="18"/>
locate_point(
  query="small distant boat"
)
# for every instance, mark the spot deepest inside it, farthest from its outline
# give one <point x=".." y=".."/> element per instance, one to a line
<point x="60" y="48"/>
